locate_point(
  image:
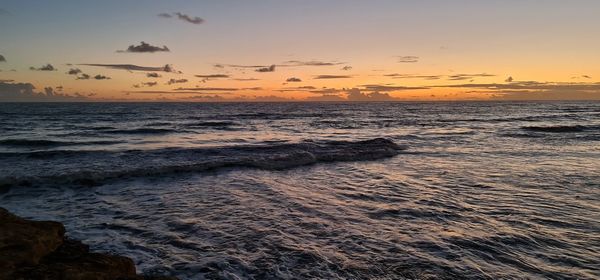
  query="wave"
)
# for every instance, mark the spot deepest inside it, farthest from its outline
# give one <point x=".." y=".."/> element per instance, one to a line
<point x="94" y="167"/>
<point x="144" y="131"/>
<point x="557" y="128"/>
<point x="50" y="143"/>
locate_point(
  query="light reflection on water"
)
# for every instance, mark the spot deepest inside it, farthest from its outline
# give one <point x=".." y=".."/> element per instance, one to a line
<point x="475" y="196"/>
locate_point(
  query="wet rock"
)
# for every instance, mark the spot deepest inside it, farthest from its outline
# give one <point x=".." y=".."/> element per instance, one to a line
<point x="39" y="250"/>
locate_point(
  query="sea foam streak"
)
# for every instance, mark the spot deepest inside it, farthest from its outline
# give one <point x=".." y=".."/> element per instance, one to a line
<point x="94" y="167"/>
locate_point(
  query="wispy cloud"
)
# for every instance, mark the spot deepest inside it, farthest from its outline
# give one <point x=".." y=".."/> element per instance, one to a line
<point x="153" y="75"/>
<point x="183" y="17"/>
<point x="390" y="88"/>
<point x="130" y="67"/>
<point x="144" y="47"/>
<point x="324" y="77"/>
<point x="346" y="68"/>
<point x="411" y="76"/>
<point x="213" y="76"/>
<point x="245" y="79"/>
<point x="408" y="59"/>
<point x="461" y="77"/>
<point x="207" y="89"/>
<point x="310" y="63"/>
<point x="47" y="67"/>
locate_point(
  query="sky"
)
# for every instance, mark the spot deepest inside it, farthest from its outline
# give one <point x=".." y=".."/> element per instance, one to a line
<point x="299" y="50"/>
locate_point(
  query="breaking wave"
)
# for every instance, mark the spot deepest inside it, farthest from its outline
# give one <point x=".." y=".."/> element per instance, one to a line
<point x="94" y="167"/>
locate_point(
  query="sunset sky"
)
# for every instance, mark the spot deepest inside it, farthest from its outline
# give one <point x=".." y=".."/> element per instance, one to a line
<point x="302" y="50"/>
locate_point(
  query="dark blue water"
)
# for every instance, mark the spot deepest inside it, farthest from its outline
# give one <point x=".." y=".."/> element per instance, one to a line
<point x="328" y="191"/>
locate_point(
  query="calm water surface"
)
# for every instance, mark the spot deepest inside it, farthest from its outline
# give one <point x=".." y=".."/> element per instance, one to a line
<point x="269" y="191"/>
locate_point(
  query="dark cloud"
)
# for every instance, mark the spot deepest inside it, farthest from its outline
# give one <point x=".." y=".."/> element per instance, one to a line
<point x="130" y="67"/>
<point x="176" y="81"/>
<point x="47" y="67"/>
<point x="326" y="90"/>
<point x="390" y="88"/>
<point x="410" y="76"/>
<point x="462" y="77"/>
<point x="207" y="89"/>
<point x="2" y="59"/>
<point x="25" y="92"/>
<point x="177" y="92"/>
<point x="183" y="17"/>
<point x="144" y="47"/>
<point x="323" y="77"/>
<point x="356" y="95"/>
<point x="266" y="69"/>
<point x="532" y="90"/>
<point x="293" y="80"/>
<point x="101" y="77"/>
<point x="153" y="75"/>
<point x="408" y="59"/>
<point x="83" y="76"/>
<point x="326" y="98"/>
<point x="509" y="79"/>
<point x="346" y="68"/>
<point x="74" y="71"/>
<point x="310" y="63"/>
<point x="213" y="76"/>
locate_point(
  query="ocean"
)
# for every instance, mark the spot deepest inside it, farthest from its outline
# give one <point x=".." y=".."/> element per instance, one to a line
<point x="433" y="190"/>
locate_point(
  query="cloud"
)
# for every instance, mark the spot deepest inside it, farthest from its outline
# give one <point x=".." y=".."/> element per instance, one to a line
<point x="74" y="71"/>
<point x="183" y="17"/>
<point x="47" y="67"/>
<point x="310" y="63"/>
<point x="293" y="80"/>
<point x="146" y="84"/>
<point x="323" y="77"/>
<point x="582" y="77"/>
<point x="83" y="76"/>
<point x="25" y="92"/>
<point x="101" y="77"/>
<point x="532" y="90"/>
<point x="245" y="79"/>
<point x="509" y="79"/>
<point x="207" y="89"/>
<point x="153" y="75"/>
<point x="356" y="95"/>
<point x="346" y="68"/>
<point x="408" y="59"/>
<point x="461" y="77"/>
<point x="266" y="69"/>
<point x="410" y="76"/>
<point x="2" y="59"/>
<point x="130" y="67"/>
<point x="390" y="88"/>
<point x="213" y="76"/>
<point x="176" y="81"/>
<point x="176" y="92"/>
<point x="144" y="47"/>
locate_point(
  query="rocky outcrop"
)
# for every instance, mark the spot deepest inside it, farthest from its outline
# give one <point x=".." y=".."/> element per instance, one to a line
<point x="40" y="250"/>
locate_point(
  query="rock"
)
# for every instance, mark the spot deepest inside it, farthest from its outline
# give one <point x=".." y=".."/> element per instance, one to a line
<point x="39" y="250"/>
<point x="24" y="242"/>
